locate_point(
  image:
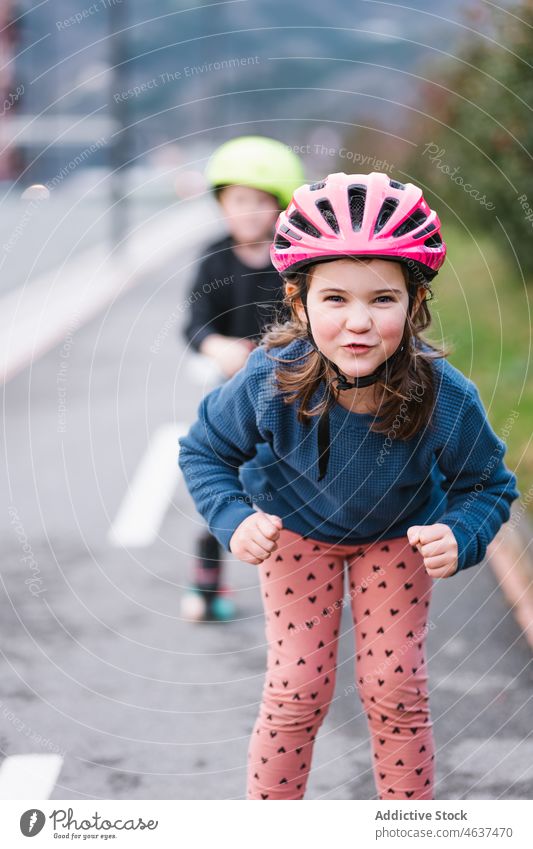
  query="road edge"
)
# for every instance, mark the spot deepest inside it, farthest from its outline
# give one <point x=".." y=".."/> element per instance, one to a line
<point x="510" y="556"/>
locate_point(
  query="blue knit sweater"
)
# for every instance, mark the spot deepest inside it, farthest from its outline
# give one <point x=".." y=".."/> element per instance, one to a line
<point x="247" y="447"/>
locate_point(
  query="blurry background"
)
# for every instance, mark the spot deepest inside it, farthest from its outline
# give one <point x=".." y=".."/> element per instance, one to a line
<point x="108" y="113"/>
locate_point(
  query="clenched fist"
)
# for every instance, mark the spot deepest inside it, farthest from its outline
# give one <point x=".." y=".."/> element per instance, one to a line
<point x="438" y="546"/>
<point x="255" y="538"/>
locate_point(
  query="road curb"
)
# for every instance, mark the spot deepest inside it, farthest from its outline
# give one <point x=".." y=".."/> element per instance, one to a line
<point x="510" y="555"/>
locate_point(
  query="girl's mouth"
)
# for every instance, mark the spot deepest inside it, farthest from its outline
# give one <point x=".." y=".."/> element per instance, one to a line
<point x="358" y="349"/>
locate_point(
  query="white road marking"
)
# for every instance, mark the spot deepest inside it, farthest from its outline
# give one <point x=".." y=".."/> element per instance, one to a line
<point x="29" y="776"/>
<point x="146" y="502"/>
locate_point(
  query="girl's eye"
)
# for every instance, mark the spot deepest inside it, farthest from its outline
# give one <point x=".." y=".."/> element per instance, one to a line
<point x="339" y="299"/>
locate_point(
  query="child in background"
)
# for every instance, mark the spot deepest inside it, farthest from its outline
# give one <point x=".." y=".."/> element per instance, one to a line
<point x="375" y="454"/>
<point x="253" y="177"/>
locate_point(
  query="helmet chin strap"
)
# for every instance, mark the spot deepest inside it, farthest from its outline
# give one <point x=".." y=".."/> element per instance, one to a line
<point x="342" y="381"/>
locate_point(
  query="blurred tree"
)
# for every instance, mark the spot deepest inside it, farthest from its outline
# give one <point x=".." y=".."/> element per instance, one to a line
<point x="475" y="144"/>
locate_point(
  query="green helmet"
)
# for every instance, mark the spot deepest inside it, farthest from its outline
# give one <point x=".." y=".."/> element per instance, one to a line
<point x="258" y="162"/>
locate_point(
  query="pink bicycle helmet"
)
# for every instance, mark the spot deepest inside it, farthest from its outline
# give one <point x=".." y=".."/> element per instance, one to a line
<point x="366" y="215"/>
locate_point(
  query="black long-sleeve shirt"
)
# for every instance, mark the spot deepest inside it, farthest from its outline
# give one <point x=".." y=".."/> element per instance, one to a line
<point x="231" y="298"/>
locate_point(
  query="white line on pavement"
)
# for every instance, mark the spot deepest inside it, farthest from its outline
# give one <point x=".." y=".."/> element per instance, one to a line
<point x="146" y="502"/>
<point x="29" y="776"/>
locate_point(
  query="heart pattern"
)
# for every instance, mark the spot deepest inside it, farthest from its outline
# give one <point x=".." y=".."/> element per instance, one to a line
<point x="390" y="595"/>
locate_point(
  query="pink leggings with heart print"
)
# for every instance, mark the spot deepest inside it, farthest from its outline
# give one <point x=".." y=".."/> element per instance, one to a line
<point x="302" y="585"/>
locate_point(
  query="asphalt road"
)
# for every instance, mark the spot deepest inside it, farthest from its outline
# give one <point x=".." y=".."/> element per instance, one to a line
<point x="96" y="664"/>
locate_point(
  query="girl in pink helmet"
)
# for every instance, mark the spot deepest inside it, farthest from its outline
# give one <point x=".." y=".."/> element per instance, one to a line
<point x="371" y="452"/>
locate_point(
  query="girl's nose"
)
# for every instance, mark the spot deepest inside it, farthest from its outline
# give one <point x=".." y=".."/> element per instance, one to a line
<point x="358" y="318"/>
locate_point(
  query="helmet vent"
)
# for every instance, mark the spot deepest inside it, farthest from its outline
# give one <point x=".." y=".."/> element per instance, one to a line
<point x="281" y="242"/>
<point x="395" y="185"/>
<point x="289" y="232"/>
<point x="415" y="220"/>
<point x="314" y="187"/>
<point x="298" y="220"/>
<point x="387" y="208"/>
<point x="356" y="202"/>
<point x="327" y="213"/>
<point x="426" y="231"/>
<point x="434" y="241"/>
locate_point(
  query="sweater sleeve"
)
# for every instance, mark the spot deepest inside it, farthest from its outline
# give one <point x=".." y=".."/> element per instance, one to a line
<point x="224" y="436"/>
<point x="480" y="487"/>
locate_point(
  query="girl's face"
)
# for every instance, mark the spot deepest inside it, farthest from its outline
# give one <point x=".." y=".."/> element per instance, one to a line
<point x="354" y="303"/>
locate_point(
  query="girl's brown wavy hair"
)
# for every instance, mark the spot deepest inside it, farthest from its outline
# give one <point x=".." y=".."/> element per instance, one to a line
<point x="408" y="393"/>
